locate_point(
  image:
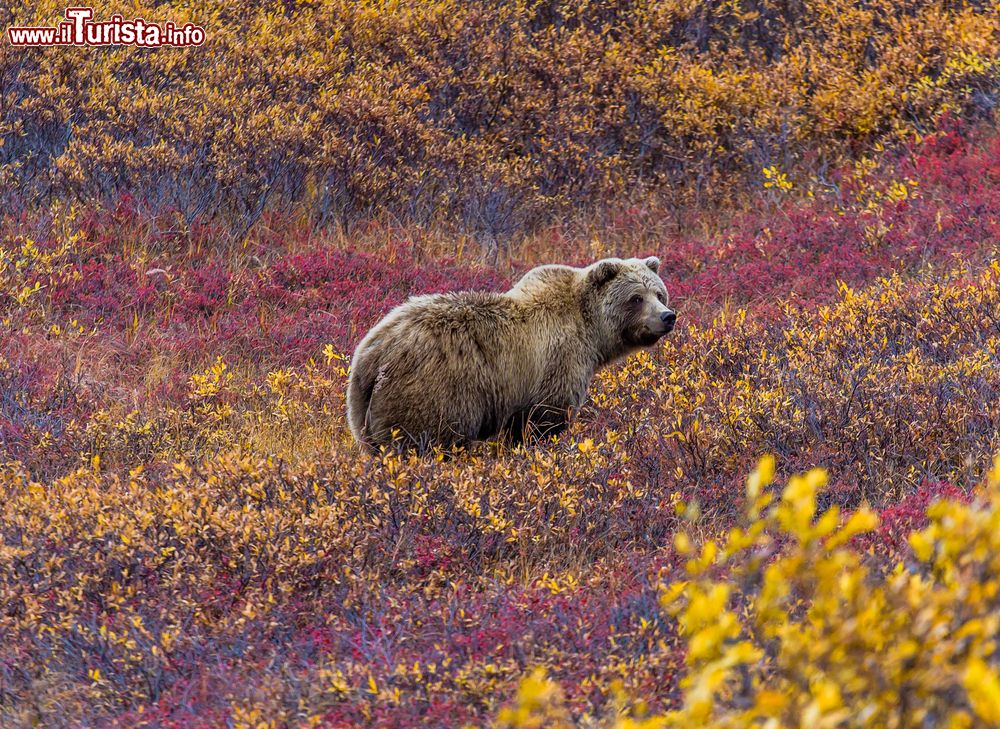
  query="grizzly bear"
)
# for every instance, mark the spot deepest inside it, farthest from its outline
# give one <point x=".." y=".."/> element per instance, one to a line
<point x="449" y="369"/>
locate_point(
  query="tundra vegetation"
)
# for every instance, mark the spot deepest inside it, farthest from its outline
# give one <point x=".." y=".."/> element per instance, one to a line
<point x="787" y="512"/>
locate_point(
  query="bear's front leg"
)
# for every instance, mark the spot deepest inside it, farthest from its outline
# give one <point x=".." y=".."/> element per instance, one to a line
<point x="536" y="423"/>
<point x="546" y="421"/>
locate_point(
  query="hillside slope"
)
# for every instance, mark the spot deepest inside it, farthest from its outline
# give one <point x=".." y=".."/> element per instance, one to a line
<point x="189" y="537"/>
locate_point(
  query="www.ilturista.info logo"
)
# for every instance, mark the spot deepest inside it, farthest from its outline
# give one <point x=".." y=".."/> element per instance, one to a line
<point x="79" y="30"/>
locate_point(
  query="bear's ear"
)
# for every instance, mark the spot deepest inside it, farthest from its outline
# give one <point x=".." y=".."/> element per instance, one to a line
<point x="653" y="264"/>
<point x="602" y="273"/>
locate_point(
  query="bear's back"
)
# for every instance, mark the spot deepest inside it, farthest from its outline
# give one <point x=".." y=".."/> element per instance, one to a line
<point x="459" y="310"/>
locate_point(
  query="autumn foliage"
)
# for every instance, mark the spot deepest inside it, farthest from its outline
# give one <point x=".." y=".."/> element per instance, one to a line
<point x="785" y="514"/>
<point x="488" y="117"/>
<point x="191" y="539"/>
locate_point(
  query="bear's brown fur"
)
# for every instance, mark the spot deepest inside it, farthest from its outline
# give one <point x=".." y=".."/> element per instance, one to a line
<point x="448" y="369"/>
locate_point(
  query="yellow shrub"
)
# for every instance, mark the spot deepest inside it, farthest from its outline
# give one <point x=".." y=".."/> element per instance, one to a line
<point x="787" y="625"/>
<point x="486" y="113"/>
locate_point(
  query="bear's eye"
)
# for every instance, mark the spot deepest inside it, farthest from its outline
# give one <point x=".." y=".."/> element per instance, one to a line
<point x="636" y="299"/>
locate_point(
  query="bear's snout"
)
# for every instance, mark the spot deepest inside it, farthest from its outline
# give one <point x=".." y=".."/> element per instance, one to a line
<point x="669" y="318"/>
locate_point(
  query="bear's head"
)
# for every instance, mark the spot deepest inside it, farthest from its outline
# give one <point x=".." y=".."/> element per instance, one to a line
<point x="628" y="303"/>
